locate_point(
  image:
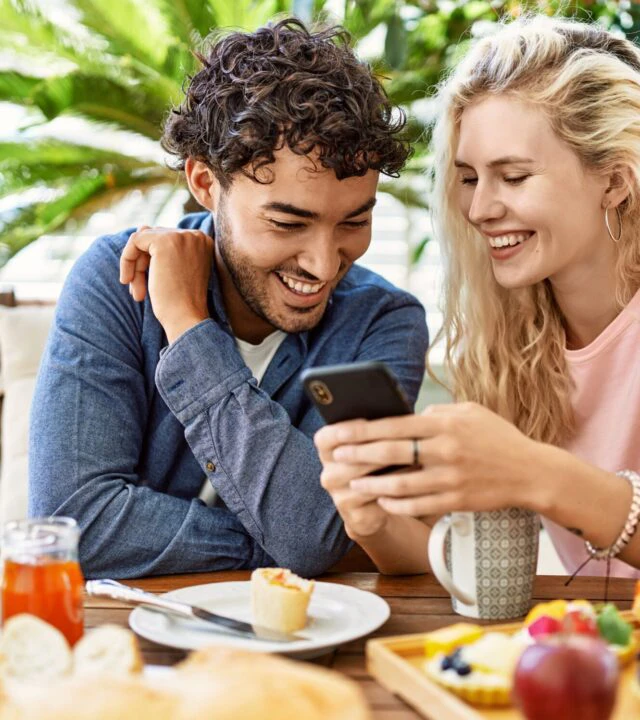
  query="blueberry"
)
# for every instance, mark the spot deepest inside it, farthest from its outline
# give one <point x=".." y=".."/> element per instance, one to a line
<point x="446" y="663"/>
<point x="463" y="668"/>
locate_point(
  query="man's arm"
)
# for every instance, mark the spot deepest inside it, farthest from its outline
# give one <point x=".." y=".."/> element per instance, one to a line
<point x="88" y="425"/>
<point x="267" y="471"/>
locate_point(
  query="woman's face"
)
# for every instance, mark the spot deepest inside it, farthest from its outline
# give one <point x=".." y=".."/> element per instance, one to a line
<point x="540" y="213"/>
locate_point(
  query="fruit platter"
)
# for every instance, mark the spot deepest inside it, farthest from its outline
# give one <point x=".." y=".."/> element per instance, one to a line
<point x="568" y="660"/>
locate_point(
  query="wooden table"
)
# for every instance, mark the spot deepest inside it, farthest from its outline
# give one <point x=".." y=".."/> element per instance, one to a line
<point x="418" y="604"/>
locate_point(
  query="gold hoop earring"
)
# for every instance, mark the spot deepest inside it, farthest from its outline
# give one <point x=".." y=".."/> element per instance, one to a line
<point x="606" y="222"/>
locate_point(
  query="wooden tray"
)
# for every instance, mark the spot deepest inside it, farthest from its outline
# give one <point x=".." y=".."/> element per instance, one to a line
<point x="396" y="663"/>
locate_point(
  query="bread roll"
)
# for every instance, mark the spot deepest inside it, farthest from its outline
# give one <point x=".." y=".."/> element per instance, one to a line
<point x="33" y="651"/>
<point x="108" y="649"/>
<point x="241" y="685"/>
<point x="213" y="684"/>
<point x="279" y="599"/>
<point x="91" y="697"/>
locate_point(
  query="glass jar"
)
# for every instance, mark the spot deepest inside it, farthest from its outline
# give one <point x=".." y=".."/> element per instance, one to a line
<point x="41" y="574"/>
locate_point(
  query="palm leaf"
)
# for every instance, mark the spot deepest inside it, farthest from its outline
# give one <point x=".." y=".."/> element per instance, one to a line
<point x="179" y="63"/>
<point x="48" y="163"/>
<point x="363" y="16"/>
<point x="132" y="28"/>
<point x="36" y="42"/>
<point x="407" y="195"/>
<point x="15" y="87"/>
<point x="246" y="14"/>
<point x="189" y="20"/>
<point x="25" y="222"/>
<point x="52" y="151"/>
<point x="129" y="108"/>
<point x="418" y="251"/>
<point x="41" y="43"/>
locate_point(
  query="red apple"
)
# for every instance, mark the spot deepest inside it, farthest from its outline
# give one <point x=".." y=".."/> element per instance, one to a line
<point x="566" y="677"/>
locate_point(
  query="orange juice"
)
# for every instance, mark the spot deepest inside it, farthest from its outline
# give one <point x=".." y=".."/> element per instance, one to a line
<point x="50" y="589"/>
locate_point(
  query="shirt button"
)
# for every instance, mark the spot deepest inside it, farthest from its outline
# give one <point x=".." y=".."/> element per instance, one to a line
<point x="210" y="466"/>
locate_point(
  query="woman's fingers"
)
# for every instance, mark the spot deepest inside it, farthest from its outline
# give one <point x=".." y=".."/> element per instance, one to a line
<point x="437" y="420"/>
<point x="336" y="476"/>
<point x="434" y="421"/>
<point x="407" y="484"/>
<point x="330" y="436"/>
<point x="407" y="451"/>
<point x="361" y="514"/>
<point x="422" y="505"/>
<point x="389" y="452"/>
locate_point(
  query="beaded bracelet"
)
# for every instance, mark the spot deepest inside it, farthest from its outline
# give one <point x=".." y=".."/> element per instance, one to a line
<point x="630" y="526"/>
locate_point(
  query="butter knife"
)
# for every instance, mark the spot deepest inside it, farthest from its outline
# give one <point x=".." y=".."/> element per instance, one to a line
<point x="135" y="596"/>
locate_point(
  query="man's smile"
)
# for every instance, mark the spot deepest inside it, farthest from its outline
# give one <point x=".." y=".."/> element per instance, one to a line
<point x="300" y="287"/>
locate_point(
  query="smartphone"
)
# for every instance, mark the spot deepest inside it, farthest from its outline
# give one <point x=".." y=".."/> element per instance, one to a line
<point x="367" y="390"/>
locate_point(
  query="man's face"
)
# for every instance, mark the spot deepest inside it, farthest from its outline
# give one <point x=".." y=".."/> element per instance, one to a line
<point x="282" y="247"/>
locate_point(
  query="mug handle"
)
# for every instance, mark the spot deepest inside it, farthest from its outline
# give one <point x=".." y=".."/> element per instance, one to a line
<point x="436" y="547"/>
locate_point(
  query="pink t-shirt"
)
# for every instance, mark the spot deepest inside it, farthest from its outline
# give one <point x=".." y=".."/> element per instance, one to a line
<point x="606" y="402"/>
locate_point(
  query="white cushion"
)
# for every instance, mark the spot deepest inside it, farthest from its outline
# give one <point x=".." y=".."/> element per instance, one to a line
<point x="23" y="334"/>
<point x="15" y="435"/>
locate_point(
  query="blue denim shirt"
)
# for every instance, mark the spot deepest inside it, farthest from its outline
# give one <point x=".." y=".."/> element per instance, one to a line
<point x="125" y="429"/>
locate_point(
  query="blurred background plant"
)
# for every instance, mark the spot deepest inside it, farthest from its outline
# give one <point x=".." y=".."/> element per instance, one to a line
<point x="95" y="78"/>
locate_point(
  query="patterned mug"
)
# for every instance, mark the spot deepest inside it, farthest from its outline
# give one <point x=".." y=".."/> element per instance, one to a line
<point x="487" y="561"/>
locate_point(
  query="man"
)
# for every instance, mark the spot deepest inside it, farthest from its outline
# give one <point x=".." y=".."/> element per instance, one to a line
<point x="168" y="417"/>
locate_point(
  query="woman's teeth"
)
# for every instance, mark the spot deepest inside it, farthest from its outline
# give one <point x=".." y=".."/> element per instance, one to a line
<point x="300" y="287"/>
<point x="504" y="240"/>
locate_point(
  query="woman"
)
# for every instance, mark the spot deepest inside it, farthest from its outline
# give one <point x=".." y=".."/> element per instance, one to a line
<point x="537" y="208"/>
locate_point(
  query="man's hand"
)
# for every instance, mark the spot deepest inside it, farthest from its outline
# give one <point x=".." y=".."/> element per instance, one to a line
<point x="179" y="264"/>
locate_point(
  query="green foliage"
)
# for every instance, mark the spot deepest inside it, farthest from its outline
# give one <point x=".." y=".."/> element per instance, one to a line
<point x="121" y="65"/>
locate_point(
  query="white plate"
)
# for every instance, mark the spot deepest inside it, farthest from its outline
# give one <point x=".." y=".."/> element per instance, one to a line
<point x="337" y="614"/>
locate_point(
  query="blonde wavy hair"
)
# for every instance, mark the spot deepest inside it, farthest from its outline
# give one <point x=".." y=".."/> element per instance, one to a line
<point x="505" y="348"/>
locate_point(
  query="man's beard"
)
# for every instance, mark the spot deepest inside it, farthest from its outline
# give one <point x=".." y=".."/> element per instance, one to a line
<point x="251" y="284"/>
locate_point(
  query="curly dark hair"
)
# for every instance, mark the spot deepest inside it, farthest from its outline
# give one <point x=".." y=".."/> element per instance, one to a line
<point x="283" y="85"/>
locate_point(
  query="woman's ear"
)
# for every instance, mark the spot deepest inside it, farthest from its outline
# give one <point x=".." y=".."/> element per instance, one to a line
<point x="620" y="183"/>
<point x="202" y="182"/>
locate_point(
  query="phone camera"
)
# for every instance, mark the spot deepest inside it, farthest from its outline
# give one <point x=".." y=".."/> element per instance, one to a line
<point x="321" y="392"/>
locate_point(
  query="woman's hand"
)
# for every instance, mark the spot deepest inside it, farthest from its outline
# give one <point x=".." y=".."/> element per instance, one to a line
<point x="361" y="513"/>
<point x="471" y="458"/>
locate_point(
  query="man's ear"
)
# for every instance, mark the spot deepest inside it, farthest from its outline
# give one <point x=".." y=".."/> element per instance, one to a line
<point x="620" y="183"/>
<point x="202" y="182"/>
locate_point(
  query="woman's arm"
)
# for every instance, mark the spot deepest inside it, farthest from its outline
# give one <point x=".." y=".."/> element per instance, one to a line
<point x="472" y="460"/>
<point x="591" y="503"/>
<point x="399" y="547"/>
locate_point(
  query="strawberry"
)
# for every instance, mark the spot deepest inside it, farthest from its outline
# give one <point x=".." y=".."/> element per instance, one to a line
<point x="581" y="622"/>
<point x="544" y="625"/>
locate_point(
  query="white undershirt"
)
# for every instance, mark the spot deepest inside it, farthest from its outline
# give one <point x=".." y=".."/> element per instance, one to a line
<point x="257" y="358"/>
